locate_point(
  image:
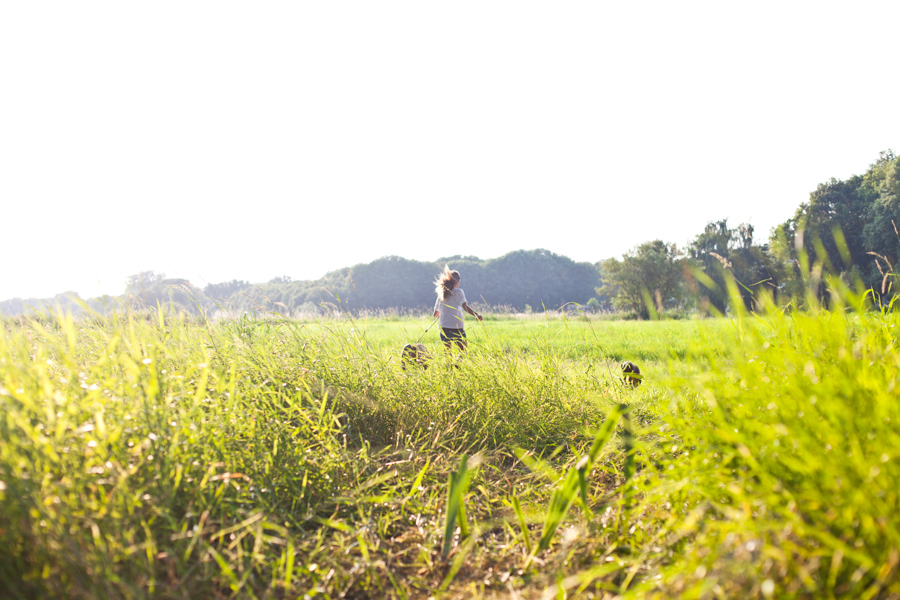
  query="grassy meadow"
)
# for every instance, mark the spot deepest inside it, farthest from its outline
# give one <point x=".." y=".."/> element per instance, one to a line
<point x="146" y="455"/>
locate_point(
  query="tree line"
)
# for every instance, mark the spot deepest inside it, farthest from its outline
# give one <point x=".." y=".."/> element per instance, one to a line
<point x="848" y="229"/>
<point x="518" y="280"/>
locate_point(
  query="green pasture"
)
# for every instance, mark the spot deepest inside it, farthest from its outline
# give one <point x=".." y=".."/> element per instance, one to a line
<point x="572" y="337"/>
<point x="150" y="456"/>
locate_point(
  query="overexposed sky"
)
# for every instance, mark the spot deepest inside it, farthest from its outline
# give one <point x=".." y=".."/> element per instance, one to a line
<point x="222" y="140"/>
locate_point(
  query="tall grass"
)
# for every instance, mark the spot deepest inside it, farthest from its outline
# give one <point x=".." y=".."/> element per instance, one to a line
<point x="158" y="457"/>
<point x="784" y="459"/>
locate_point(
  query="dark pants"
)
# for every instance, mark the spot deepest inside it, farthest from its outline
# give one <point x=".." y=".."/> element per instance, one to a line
<point x="448" y="336"/>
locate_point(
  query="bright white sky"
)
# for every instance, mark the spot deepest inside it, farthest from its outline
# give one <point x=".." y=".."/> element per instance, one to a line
<point x="222" y="140"/>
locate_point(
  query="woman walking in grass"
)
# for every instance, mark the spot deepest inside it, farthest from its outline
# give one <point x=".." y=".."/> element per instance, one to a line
<point x="449" y="307"/>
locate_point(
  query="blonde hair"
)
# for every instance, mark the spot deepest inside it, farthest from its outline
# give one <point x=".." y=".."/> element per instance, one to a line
<point x="445" y="282"/>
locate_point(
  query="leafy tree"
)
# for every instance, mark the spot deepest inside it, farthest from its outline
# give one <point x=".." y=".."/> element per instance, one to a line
<point x="652" y="270"/>
<point x="863" y="209"/>
<point x="882" y="232"/>
<point x="222" y="291"/>
<point x="149" y="289"/>
<point x="135" y="283"/>
<point x="752" y="264"/>
<point x="392" y="281"/>
<point x="720" y="249"/>
<point x="834" y="205"/>
<point x="539" y="278"/>
<point x="706" y="250"/>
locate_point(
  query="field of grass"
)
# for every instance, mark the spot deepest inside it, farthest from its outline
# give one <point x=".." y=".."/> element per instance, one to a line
<point x="573" y="338"/>
<point x="149" y="456"/>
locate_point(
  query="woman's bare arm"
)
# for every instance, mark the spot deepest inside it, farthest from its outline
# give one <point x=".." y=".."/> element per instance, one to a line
<point x="470" y="311"/>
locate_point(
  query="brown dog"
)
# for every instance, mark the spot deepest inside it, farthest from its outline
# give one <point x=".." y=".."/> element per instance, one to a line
<point x="631" y="374"/>
<point x="414" y="354"/>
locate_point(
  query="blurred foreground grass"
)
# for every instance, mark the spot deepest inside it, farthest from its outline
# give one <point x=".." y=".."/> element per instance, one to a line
<point x="153" y="457"/>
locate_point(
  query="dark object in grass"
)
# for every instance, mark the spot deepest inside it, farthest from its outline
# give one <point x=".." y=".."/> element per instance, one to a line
<point x="414" y="354"/>
<point x="631" y="374"/>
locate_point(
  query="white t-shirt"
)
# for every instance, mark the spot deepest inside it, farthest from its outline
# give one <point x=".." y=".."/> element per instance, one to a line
<point x="451" y="312"/>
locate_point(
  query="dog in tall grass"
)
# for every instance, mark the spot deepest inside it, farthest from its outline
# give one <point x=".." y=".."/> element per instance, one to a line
<point x="631" y="374"/>
<point x="414" y="355"/>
